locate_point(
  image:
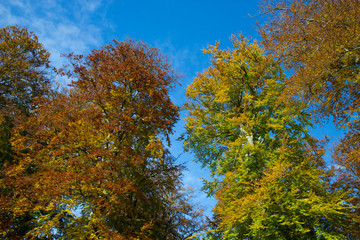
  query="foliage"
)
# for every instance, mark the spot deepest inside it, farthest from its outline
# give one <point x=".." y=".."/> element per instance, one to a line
<point x="23" y="64"/>
<point x="24" y="67"/>
<point x="269" y="175"/>
<point x="319" y="41"/>
<point x="92" y="164"/>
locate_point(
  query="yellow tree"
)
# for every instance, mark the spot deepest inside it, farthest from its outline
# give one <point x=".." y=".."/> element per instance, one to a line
<point x="93" y="164"/>
<point x="269" y="175"/>
<point x="320" y="42"/>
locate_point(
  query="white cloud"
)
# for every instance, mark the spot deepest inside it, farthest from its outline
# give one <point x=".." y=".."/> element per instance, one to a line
<point x="19" y="3"/>
<point x="178" y="56"/>
<point x="89" y="5"/>
<point x="61" y="26"/>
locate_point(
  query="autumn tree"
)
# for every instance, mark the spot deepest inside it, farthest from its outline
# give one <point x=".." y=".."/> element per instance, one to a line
<point x="320" y="42"/>
<point x="24" y="69"/>
<point x="93" y="159"/>
<point x="23" y="66"/>
<point x="269" y="177"/>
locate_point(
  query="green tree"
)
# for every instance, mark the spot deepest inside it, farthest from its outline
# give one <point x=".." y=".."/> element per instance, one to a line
<point x="269" y="177"/>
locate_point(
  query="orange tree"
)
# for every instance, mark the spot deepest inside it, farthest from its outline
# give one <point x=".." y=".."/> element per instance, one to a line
<point x="24" y="69"/>
<point x="320" y="42"/>
<point x="92" y="161"/>
<point x="24" y="65"/>
<point x="269" y="176"/>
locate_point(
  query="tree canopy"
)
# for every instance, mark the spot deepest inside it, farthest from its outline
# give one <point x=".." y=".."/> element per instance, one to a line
<point x="319" y="42"/>
<point x="24" y="72"/>
<point x="91" y="161"/>
<point x="23" y="66"/>
<point x="269" y="174"/>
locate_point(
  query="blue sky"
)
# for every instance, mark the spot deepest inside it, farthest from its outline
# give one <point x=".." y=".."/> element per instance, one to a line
<point x="180" y="29"/>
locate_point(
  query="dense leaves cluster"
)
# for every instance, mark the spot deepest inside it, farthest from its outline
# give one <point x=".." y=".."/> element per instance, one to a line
<point x="24" y="65"/>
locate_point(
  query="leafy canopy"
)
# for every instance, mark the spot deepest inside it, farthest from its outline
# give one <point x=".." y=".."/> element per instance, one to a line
<point x="319" y="41"/>
<point x="91" y="160"/>
<point x="24" y="71"/>
<point x="269" y="175"/>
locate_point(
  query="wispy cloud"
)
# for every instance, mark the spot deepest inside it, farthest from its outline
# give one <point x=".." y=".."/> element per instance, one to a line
<point x="184" y="60"/>
<point x="62" y="26"/>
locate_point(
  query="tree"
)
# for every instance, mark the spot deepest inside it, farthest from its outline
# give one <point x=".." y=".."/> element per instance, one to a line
<point x="24" y="69"/>
<point x="23" y="66"/>
<point x="347" y="168"/>
<point x="269" y="177"/>
<point x="319" y="41"/>
<point x="92" y="160"/>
